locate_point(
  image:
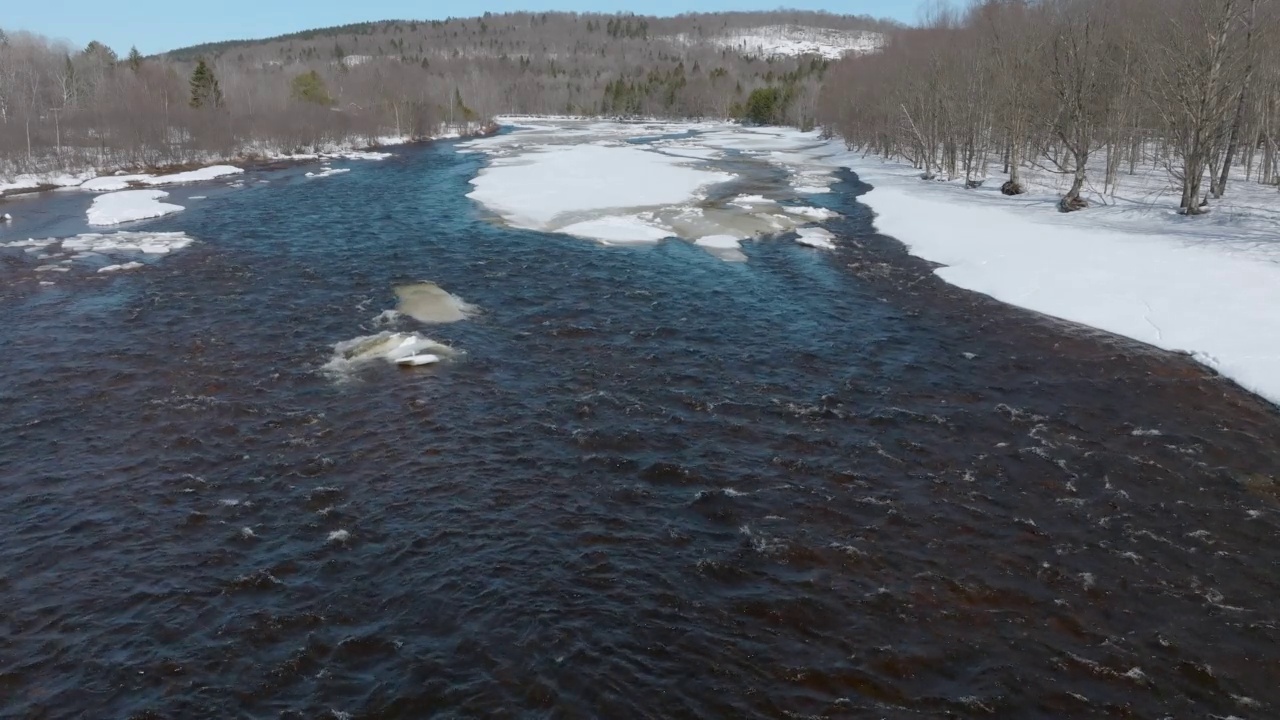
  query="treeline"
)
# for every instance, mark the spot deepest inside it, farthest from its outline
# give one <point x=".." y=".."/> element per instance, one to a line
<point x="64" y="107"/>
<point x="70" y="109"/>
<point x="1070" y="85"/>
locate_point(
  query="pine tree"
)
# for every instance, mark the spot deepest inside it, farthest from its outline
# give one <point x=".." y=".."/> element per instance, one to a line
<point x="310" y="87"/>
<point x="204" y="87"/>
<point x="135" y="59"/>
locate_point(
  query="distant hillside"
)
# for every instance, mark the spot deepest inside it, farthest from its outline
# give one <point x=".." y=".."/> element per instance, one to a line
<point x="572" y="33"/>
<point x="372" y="81"/>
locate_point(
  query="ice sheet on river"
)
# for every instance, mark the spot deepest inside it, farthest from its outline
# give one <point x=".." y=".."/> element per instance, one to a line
<point x="129" y="205"/>
<point x="630" y="183"/>
<point x="587" y="188"/>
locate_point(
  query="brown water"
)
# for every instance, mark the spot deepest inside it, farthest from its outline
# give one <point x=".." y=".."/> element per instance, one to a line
<point x="650" y="483"/>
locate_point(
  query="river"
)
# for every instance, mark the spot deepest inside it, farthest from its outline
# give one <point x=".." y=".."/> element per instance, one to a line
<point x="647" y="483"/>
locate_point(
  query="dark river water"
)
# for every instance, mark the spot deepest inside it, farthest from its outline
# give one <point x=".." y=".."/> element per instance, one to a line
<point x="652" y="485"/>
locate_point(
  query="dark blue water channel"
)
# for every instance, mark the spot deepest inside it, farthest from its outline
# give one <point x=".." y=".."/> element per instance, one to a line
<point x="655" y="484"/>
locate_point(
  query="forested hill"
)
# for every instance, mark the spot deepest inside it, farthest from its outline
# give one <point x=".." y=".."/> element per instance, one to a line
<point x="571" y="63"/>
<point x="535" y="33"/>
<point x="65" y="107"/>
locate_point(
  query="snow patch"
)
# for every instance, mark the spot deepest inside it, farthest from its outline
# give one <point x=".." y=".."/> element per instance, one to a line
<point x="795" y="40"/>
<point x="203" y="174"/>
<point x="111" y="183"/>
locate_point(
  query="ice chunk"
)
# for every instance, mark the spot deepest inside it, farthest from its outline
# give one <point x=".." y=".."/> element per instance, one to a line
<point x="122" y="266"/>
<point x="719" y="242"/>
<point x="129" y="205"/>
<point x="389" y="347"/>
<point x="813" y="213"/>
<point x="429" y="303"/>
<point x="816" y="237"/>
<point x="150" y="243"/>
<point x="417" y="360"/>
<point x="328" y="172"/>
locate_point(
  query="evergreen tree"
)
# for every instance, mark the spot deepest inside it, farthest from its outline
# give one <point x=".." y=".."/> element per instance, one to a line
<point x="310" y="87"/>
<point x="135" y="59"/>
<point x="101" y="52"/>
<point x="764" y="106"/>
<point x="204" y="87"/>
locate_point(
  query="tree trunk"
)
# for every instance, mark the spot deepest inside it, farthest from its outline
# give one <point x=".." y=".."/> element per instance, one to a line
<point x="1221" y="186"/>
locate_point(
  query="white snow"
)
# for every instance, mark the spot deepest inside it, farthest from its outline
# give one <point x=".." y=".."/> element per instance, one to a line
<point x="112" y="183"/>
<point x="35" y="180"/>
<point x="129" y="205"/>
<point x="794" y="40"/>
<point x="360" y="155"/>
<point x="203" y="174"/>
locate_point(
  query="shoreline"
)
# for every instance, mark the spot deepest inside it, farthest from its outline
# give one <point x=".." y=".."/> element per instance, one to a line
<point x="248" y="162"/>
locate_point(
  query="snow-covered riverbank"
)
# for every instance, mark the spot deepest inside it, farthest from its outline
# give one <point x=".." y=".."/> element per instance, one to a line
<point x="110" y="175"/>
<point x="1208" y="286"/>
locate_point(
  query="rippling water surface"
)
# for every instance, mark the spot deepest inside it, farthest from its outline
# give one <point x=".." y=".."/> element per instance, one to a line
<point x="650" y="483"/>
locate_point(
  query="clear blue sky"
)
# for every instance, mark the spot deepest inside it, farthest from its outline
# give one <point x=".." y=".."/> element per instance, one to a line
<point x="159" y="25"/>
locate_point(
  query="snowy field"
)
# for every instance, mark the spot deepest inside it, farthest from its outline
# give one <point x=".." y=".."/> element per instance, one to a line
<point x="1207" y="286"/>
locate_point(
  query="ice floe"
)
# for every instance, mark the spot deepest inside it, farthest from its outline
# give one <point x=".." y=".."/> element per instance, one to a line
<point x="429" y="303"/>
<point x="328" y="172"/>
<point x="592" y="190"/>
<point x="129" y="205"/>
<point x="816" y="237"/>
<point x="143" y="242"/>
<point x="123" y="266"/>
<point x="719" y="242"/>
<point x="99" y="252"/>
<point x="390" y="347"/>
